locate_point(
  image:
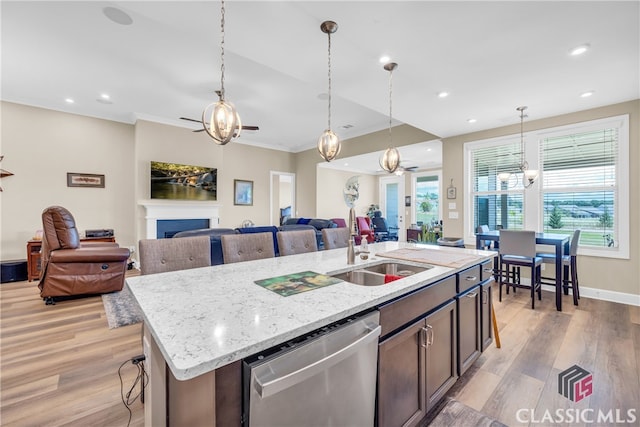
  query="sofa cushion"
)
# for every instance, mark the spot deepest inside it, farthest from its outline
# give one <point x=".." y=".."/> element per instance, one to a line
<point x="304" y="220"/>
<point x="322" y="223"/>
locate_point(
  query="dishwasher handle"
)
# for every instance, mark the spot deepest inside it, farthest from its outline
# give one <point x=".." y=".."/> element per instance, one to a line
<point x="277" y="385"/>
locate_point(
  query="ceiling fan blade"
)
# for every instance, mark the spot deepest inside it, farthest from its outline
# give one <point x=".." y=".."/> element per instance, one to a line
<point x="191" y="120"/>
<point x="201" y="130"/>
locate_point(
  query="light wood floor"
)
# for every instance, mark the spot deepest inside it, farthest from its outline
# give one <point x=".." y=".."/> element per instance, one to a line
<point x="59" y="363"/>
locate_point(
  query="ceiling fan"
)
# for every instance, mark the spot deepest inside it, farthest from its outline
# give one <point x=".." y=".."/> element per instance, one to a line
<point x="244" y="127"/>
<point x="200" y="121"/>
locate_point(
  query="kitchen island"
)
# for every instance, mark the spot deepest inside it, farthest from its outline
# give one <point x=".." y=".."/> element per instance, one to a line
<point x="199" y="321"/>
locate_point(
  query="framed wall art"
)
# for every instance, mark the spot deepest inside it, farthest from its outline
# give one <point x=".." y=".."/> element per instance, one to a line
<point x="242" y="192"/>
<point x="85" y="180"/>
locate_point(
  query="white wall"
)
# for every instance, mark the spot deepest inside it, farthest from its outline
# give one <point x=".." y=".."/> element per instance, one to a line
<point x="329" y="199"/>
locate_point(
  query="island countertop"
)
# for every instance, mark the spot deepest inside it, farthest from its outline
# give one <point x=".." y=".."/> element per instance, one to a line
<point x="205" y="318"/>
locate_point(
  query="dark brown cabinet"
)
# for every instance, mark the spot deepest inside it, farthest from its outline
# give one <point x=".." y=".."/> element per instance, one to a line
<point x="469" y="342"/>
<point x="417" y="366"/>
<point x="486" y="325"/>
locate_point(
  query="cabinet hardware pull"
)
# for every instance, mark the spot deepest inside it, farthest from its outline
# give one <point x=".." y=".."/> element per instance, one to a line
<point x="485" y="296"/>
<point x="472" y="294"/>
<point x="423" y="337"/>
<point x="471" y="278"/>
<point x="488" y="270"/>
<point x="430" y="335"/>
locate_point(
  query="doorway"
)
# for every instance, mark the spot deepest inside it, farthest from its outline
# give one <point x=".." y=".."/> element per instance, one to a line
<point x="391" y="203"/>
<point x="282" y="197"/>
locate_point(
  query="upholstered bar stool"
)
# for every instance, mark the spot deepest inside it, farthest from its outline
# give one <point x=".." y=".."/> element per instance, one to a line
<point x="296" y="242"/>
<point x="334" y="238"/>
<point x="162" y="255"/>
<point x="569" y="267"/>
<point x="247" y="247"/>
<point x="518" y="249"/>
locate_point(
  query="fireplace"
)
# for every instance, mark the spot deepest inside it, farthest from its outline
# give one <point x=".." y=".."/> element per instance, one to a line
<point x="173" y="216"/>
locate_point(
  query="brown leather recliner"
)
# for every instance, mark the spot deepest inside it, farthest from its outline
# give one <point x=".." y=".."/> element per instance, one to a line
<point x="69" y="268"/>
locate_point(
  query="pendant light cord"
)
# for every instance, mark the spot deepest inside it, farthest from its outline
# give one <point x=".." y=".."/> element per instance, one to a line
<point x="390" y="106"/>
<point x="222" y="53"/>
<point x="329" y="75"/>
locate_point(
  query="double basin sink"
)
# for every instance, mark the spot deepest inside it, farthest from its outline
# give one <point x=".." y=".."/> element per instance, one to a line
<point x="380" y="274"/>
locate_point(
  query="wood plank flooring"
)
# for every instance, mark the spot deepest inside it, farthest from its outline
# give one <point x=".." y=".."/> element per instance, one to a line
<point x="59" y="364"/>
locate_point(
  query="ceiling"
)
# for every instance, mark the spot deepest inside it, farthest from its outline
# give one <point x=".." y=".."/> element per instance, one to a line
<point x="490" y="56"/>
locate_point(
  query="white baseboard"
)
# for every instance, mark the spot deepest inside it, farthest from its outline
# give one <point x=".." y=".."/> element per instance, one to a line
<point x="602" y="294"/>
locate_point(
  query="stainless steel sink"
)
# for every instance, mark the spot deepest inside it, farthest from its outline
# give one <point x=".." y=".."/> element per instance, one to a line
<point x="397" y="268"/>
<point x="375" y="274"/>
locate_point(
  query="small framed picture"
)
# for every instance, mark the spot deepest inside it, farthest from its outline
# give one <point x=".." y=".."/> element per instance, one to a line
<point x="407" y="200"/>
<point x="84" y="180"/>
<point x="242" y="192"/>
<point x="451" y="192"/>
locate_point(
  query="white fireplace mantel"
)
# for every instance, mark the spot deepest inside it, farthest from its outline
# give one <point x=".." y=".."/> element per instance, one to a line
<point x="178" y="209"/>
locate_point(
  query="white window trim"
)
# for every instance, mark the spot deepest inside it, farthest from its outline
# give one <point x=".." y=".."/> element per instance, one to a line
<point x="532" y="213"/>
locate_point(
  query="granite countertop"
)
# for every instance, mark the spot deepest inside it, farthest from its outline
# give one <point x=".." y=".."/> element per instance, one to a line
<point x="205" y="318"/>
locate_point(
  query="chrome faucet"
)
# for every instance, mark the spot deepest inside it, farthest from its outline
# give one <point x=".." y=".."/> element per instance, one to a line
<point x="351" y="248"/>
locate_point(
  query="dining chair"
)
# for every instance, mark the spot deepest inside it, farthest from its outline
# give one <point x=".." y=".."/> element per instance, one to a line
<point x="334" y="238"/>
<point x="518" y="249"/>
<point x="162" y="255"/>
<point x="570" y="267"/>
<point x="297" y="242"/>
<point x="247" y="247"/>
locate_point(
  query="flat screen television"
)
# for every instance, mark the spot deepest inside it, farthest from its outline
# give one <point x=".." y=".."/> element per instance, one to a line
<point x="183" y="182"/>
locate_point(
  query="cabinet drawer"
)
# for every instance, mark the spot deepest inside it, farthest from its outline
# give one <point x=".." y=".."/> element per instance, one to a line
<point x="470" y="277"/>
<point x="486" y="269"/>
<point x="409" y="307"/>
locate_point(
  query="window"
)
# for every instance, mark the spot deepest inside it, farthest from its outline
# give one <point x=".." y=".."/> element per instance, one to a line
<point x="426" y="194"/>
<point x="583" y="184"/>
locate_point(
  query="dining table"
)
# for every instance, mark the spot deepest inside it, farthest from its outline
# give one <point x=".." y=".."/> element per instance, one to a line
<point x="560" y="242"/>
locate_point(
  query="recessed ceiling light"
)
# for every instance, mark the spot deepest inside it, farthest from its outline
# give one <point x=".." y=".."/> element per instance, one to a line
<point x="69" y="101"/>
<point x="346" y="164"/>
<point x="471" y="120"/>
<point x="579" y="50"/>
<point x="384" y="59"/>
<point x="428" y="149"/>
<point x="104" y="96"/>
<point x="118" y="16"/>
<point x="347" y="126"/>
<point x="443" y="94"/>
<point x="586" y="94"/>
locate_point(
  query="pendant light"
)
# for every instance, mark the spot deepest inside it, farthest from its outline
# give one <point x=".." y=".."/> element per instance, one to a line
<point x="528" y="175"/>
<point x="329" y="143"/>
<point x="390" y="160"/>
<point x="224" y="121"/>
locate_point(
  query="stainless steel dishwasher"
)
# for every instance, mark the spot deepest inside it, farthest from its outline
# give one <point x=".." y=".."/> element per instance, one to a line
<point x="327" y="378"/>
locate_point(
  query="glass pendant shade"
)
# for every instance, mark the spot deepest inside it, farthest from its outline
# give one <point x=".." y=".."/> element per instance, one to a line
<point x="224" y="124"/>
<point x="504" y="176"/>
<point x="390" y="160"/>
<point x="329" y="145"/>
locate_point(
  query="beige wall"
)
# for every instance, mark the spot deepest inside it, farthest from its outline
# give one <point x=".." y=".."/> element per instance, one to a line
<point x="306" y="161"/>
<point x="602" y="273"/>
<point x="329" y="197"/>
<point x="40" y="147"/>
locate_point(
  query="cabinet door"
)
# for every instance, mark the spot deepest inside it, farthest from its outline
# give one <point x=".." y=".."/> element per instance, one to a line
<point x="440" y="331"/>
<point x="469" y="346"/>
<point x="486" y="325"/>
<point x="401" y="373"/>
